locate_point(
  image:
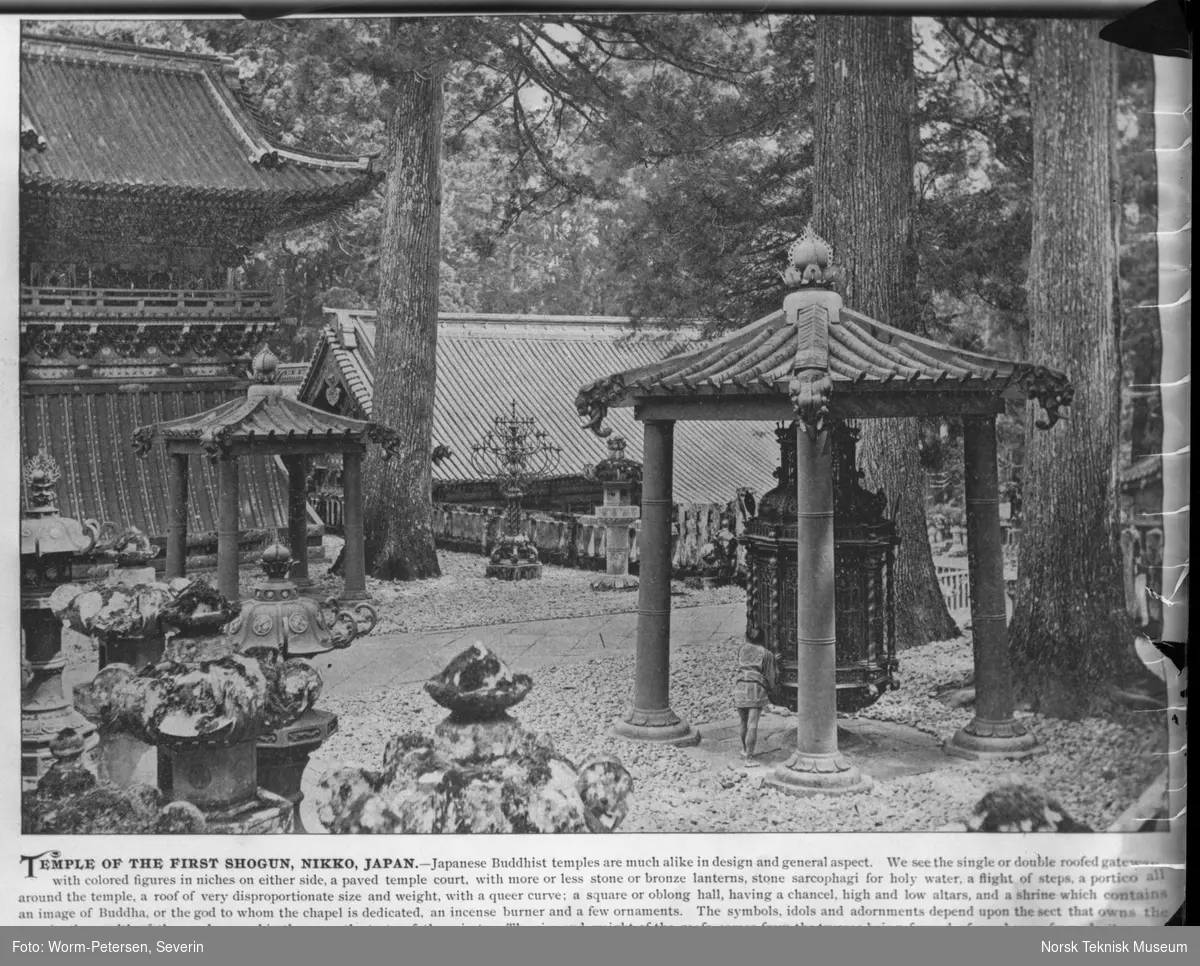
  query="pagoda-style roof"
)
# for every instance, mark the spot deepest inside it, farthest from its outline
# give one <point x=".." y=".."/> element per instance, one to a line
<point x="266" y="421"/>
<point x="874" y="370"/>
<point x="102" y="119"/>
<point x="485" y="361"/>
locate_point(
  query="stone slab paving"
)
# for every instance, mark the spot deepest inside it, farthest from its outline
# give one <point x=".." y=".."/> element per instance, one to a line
<point x="882" y="749"/>
<point x="396" y="660"/>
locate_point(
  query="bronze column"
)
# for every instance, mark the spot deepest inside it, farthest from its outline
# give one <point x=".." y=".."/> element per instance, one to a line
<point x="354" y="562"/>
<point x="650" y="717"/>
<point x="177" y="498"/>
<point x="297" y="468"/>
<point x="817" y="767"/>
<point x="993" y="732"/>
<point x="229" y="503"/>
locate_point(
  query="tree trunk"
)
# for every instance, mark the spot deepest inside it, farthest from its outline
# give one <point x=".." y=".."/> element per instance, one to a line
<point x="398" y="493"/>
<point x="863" y="205"/>
<point x="1070" y="631"/>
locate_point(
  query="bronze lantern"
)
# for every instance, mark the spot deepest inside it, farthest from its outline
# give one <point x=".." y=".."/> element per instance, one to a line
<point x="865" y="542"/>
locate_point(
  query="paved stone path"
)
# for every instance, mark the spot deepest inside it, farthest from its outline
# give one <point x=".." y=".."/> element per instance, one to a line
<point x="396" y="660"/>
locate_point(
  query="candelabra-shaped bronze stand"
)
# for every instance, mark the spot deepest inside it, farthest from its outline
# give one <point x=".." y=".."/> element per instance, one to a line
<point x="514" y="453"/>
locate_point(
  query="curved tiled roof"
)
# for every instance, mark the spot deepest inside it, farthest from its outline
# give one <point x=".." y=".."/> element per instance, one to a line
<point x="864" y="356"/>
<point x="112" y="118"/>
<point x="265" y="415"/>
<point x="487" y="361"/>
<point x="86" y="429"/>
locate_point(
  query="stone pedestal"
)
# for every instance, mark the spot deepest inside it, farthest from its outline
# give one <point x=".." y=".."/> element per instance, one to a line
<point x="130" y="576"/>
<point x="617" y="520"/>
<point x="137" y="652"/>
<point x="212" y="777"/>
<point x="283" y="754"/>
<point x="45" y="710"/>
<point x="264" y="814"/>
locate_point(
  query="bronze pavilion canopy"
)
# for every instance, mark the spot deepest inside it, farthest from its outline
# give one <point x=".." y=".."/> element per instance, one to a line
<point x="816" y="362"/>
<point x="265" y="422"/>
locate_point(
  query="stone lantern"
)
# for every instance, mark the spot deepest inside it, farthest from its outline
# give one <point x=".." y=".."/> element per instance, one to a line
<point x="864" y="548"/>
<point x="618" y="474"/>
<point x="49" y="545"/>
<point x="281" y="618"/>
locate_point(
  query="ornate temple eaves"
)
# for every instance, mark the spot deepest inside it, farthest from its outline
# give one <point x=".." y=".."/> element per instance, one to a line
<point x="98" y="343"/>
<point x="150" y="97"/>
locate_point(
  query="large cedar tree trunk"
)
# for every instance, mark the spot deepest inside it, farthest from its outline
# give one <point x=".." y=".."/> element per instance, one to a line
<point x="863" y="199"/>
<point x="1070" y="631"/>
<point x="398" y="492"/>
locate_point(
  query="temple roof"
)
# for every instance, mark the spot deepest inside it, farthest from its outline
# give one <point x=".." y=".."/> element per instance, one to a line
<point x="86" y="429"/>
<point x="487" y="361"/>
<point x="99" y="117"/>
<point x="266" y="420"/>
<point x="864" y="356"/>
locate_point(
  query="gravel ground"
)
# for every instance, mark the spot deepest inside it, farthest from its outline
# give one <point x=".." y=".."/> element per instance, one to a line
<point x="464" y="597"/>
<point x="1096" y="767"/>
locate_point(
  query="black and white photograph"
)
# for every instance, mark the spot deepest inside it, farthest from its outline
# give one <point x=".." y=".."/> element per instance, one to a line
<point x="607" y="423"/>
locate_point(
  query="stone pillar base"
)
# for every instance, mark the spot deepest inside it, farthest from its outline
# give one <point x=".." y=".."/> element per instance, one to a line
<point x="992" y="740"/>
<point x="664" y="727"/>
<point x="615" y="582"/>
<point x="818" y="775"/>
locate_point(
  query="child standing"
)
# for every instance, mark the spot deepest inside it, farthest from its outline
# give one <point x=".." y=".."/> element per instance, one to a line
<point x="753" y="684"/>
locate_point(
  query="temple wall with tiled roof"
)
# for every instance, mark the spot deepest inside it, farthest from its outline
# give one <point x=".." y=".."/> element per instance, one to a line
<point x="487" y="361"/>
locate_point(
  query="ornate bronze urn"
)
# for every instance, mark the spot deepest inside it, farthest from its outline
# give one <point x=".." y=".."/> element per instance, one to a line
<point x="864" y="551"/>
<point x="280" y="616"/>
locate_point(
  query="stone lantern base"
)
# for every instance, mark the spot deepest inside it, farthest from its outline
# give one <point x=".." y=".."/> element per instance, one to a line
<point x="615" y="582"/>
<point x="137" y="651"/>
<point x="283" y="755"/>
<point x="210" y="776"/>
<point x="222" y="781"/>
<point x="506" y="570"/>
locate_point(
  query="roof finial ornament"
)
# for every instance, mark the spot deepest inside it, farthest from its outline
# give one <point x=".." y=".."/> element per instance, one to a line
<point x="810" y="262"/>
<point x="265" y="367"/>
